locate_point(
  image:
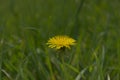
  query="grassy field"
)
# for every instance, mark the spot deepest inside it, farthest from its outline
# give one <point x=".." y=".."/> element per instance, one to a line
<point x="27" y="25"/>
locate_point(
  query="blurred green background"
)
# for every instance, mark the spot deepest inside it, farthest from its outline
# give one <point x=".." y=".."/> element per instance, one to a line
<point x="26" y="25"/>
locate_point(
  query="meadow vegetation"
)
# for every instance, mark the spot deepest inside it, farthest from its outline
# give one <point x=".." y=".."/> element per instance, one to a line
<point x="27" y="25"/>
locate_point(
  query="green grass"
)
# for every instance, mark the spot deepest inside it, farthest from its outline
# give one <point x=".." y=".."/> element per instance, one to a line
<point x="26" y="25"/>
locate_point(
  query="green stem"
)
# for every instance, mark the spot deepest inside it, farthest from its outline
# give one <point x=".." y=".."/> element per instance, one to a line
<point x="62" y="60"/>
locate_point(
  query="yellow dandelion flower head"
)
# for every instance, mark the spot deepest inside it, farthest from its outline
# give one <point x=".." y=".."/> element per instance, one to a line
<point x="59" y="42"/>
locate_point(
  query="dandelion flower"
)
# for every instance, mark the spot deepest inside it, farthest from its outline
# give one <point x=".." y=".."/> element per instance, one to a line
<point x="59" y="42"/>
